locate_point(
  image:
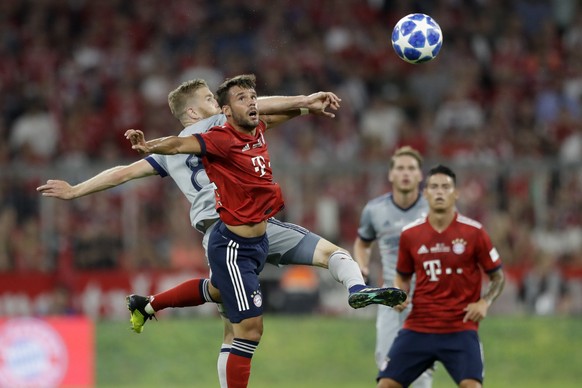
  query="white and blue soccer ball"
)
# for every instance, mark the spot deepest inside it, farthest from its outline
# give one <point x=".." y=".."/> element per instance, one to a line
<point x="417" y="38"/>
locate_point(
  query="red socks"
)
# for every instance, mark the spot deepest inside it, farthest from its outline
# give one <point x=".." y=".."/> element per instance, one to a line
<point x="238" y="365"/>
<point x="189" y="293"/>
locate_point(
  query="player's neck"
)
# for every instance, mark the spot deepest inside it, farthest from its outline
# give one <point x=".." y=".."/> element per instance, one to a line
<point x="191" y="121"/>
<point x="404" y="200"/>
<point x="441" y="221"/>
<point x="243" y="129"/>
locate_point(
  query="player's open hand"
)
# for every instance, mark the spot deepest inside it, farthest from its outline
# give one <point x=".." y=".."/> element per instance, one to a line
<point x="319" y="102"/>
<point x="476" y="311"/>
<point x="137" y="139"/>
<point x="57" y="189"/>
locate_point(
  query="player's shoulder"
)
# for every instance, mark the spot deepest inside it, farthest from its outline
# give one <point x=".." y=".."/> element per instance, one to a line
<point x="414" y="224"/>
<point x="380" y="200"/>
<point x="204" y="125"/>
<point x="461" y="219"/>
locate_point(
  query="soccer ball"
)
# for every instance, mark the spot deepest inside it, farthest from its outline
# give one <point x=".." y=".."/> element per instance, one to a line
<point x="417" y="38"/>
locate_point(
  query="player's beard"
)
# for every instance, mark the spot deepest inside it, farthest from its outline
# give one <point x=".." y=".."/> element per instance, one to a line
<point x="245" y="121"/>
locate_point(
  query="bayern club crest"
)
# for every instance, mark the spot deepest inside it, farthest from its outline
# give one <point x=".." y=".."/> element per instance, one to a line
<point x="459" y="246"/>
<point x="257" y="298"/>
<point x="32" y="354"/>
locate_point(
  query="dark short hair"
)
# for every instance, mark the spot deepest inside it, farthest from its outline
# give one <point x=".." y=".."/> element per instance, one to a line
<point x="245" y="81"/>
<point x="441" y="169"/>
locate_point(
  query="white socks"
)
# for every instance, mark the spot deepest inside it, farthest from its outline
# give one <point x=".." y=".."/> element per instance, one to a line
<point x="221" y="364"/>
<point x="345" y="270"/>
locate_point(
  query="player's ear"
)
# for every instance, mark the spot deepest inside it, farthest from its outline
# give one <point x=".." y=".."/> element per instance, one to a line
<point x="226" y="110"/>
<point x="193" y="114"/>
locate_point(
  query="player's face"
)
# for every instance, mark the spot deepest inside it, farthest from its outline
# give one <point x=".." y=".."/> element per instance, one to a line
<point x="242" y="107"/>
<point x="405" y="175"/>
<point x="204" y="103"/>
<point x="440" y="192"/>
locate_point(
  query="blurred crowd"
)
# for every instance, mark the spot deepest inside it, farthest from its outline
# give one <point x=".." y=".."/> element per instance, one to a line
<point x="502" y="104"/>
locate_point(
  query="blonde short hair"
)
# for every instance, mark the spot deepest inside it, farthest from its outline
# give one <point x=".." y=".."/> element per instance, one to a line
<point x="406" y="151"/>
<point x="178" y="98"/>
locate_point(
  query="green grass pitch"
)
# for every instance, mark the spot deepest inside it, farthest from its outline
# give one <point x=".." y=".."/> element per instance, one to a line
<point x="321" y="352"/>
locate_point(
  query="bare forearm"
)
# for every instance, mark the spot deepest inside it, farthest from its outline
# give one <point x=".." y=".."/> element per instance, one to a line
<point x="113" y="177"/>
<point x="164" y="145"/>
<point x="172" y="145"/>
<point x="272" y="120"/>
<point x="496" y="284"/>
<point x="278" y="104"/>
<point x="362" y="253"/>
<point x="107" y="179"/>
<point x="102" y="181"/>
<point x="402" y="282"/>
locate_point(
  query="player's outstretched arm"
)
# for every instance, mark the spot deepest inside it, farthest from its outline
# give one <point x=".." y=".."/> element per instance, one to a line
<point x="169" y="145"/>
<point x="107" y="179"/>
<point x="316" y="103"/>
<point x="319" y="102"/>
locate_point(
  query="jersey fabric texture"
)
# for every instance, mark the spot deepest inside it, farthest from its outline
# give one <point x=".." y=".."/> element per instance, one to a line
<point x="188" y="173"/>
<point x="382" y="220"/>
<point x="448" y="268"/>
<point x="239" y="166"/>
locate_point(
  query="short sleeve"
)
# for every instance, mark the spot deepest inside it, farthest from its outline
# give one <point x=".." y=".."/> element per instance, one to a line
<point x="488" y="256"/>
<point x="366" y="230"/>
<point x="217" y="141"/>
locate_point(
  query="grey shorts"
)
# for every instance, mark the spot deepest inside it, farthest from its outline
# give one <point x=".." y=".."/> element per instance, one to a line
<point x="288" y="243"/>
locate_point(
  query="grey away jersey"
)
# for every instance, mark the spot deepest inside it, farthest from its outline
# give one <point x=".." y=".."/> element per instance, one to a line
<point x="383" y="220"/>
<point x="189" y="174"/>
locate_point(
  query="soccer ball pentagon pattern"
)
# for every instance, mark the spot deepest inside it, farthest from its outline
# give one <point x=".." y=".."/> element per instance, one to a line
<point x="417" y="38"/>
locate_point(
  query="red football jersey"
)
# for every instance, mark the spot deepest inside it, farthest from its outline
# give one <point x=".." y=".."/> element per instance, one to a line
<point x="239" y="166"/>
<point x="448" y="268"/>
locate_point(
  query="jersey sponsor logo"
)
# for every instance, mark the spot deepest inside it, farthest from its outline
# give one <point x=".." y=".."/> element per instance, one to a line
<point x="440" y="248"/>
<point x="432" y="268"/>
<point x="422" y="250"/>
<point x="459" y="246"/>
<point x="494" y="255"/>
<point x="259" y="163"/>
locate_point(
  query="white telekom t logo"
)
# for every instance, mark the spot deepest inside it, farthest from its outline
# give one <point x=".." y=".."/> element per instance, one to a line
<point x="432" y="268"/>
<point x="259" y="163"/>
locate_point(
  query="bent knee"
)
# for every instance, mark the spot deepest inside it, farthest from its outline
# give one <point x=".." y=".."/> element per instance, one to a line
<point x="323" y="250"/>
